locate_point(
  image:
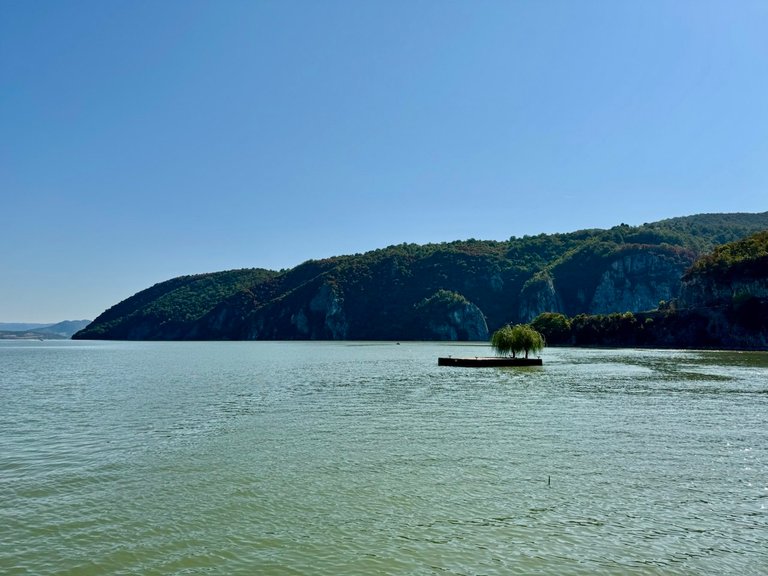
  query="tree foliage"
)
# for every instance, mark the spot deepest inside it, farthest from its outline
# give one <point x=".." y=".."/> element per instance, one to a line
<point x="747" y="257"/>
<point x="605" y="329"/>
<point x="555" y="327"/>
<point x="512" y="340"/>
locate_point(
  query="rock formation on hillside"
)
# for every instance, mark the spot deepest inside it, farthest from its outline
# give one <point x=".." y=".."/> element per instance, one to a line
<point x="730" y="289"/>
<point x="633" y="279"/>
<point x="538" y="296"/>
<point x="636" y="282"/>
<point x="710" y="291"/>
<point x="450" y="316"/>
<point x="323" y="317"/>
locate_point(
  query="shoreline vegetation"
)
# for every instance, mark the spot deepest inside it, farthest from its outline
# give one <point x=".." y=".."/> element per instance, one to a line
<point x="703" y="329"/>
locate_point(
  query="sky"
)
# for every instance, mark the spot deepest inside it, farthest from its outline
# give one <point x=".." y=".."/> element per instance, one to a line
<point x="143" y="140"/>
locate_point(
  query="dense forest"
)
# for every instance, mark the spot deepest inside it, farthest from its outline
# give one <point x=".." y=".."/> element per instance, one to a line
<point x="458" y="290"/>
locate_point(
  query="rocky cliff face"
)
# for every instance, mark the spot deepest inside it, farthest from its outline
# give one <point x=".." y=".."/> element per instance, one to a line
<point x="731" y="300"/>
<point x="462" y="322"/>
<point x="323" y="317"/>
<point x="627" y="281"/>
<point x="539" y="296"/>
<point x="636" y="282"/>
<point x="448" y="315"/>
<point x="706" y="291"/>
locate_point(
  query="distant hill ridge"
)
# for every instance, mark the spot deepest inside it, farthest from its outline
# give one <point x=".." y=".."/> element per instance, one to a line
<point x="65" y="329"/>
<point x="15" y="326"/>
<point x="456" y="290"/>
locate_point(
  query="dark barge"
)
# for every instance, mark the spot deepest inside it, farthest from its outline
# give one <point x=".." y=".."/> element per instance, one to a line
<point x="478" y="362"/>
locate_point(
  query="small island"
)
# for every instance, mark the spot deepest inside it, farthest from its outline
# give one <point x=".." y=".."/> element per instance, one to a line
<point x="508" y="342"/>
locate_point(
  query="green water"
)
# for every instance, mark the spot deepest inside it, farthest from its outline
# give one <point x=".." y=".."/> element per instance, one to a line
<point x="344" y="458"/>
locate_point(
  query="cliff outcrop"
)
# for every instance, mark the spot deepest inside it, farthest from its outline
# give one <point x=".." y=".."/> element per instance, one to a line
<point x="538" y="296"/>
<point x="323" y="317"/>
<point x="723" y="303"/>
<point x="637" y="280"/>
<point x="729" y="288"/>
<point x="449" y="316"/>
<point x="702" y="291"/>
<point x="607" y="279"/>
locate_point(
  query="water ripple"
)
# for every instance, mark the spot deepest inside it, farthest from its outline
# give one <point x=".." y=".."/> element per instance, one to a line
<point x="300" y="458"/>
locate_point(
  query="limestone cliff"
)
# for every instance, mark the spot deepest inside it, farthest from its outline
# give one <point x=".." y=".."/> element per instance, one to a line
<point x="632" y="278"/>
<point x="465" y="322"/>
<point x="708" y="291"/>
<point x="733" y="273"/>
<point x="637" y="281"/>
<point x="323" y="317"/>
<point x="449" y="316"/>
<point x="539" y="295"/>
<point x="729" y="289"/>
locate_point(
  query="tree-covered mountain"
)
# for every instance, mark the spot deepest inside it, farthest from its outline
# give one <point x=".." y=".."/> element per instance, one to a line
<point x="170" y="309"/>
<point x="455" y="290"/>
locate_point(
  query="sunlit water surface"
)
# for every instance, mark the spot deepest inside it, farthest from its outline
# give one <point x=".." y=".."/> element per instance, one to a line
<point x="368" y="458"/>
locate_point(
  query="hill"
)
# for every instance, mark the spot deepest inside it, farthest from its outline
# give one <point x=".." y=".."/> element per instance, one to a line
<point x="20" y="326"/>
<point x="455" y="290"/>
<point x="59" y="330"/>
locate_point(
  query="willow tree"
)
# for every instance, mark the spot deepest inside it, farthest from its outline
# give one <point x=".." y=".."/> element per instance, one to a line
<point x="512" y="340"/>
<point x="503" y="341"/>
<point x="531" y="340"/>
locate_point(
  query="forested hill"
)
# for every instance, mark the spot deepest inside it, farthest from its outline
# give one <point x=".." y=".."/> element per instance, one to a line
<point x="456" y="291"/>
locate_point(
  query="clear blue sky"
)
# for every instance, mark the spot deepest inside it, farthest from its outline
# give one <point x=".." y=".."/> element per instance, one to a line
<point x="142" y="140"/>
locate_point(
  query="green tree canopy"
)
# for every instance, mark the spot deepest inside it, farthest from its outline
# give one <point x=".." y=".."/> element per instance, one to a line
<point x="555" y="327"/>
<point x="512" y="340"/>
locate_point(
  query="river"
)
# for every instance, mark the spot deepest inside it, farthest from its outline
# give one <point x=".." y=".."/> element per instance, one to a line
<point x="331" y="458"/>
